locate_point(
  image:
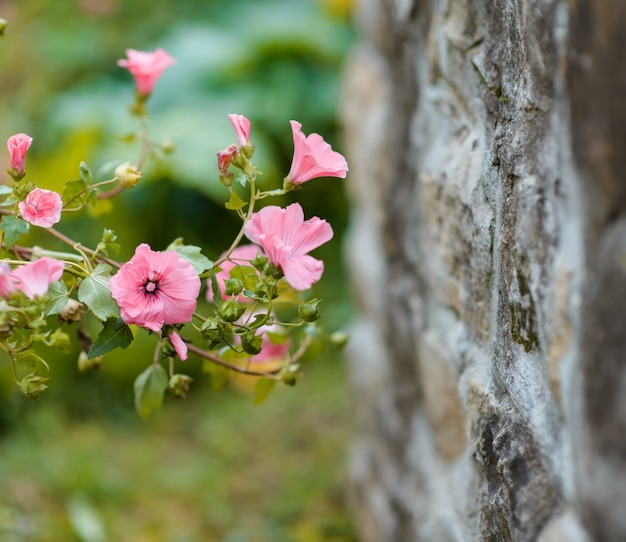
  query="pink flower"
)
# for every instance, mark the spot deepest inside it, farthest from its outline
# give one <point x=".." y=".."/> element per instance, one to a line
<point x="155" y="288"/>
<point x="41" y="208"/>
<point x="179" y="345"/>
<point x="33" y="279"/>
<point x="313" y="157"/>
<point x="242" y="128"/>
<point x="225" y="157"/>
<point x="286" y="238"/>
<point x="18" y="145"/>
<point x="239" y="256"/>
<point x="146" y="67"/>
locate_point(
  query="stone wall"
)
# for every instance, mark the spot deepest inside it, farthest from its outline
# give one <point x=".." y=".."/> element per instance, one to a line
<point x="487" y="145"/>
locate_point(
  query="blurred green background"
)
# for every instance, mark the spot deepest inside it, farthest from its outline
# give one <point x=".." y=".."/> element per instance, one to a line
<point x="78" y="464"/>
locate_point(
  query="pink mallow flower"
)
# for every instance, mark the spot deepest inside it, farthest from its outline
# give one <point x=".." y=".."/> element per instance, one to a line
<point x="313" y="157"/>
<point x="146" y="67"/>
<point x="18" y="144"/>
<point x="33" y="279"/>
<point x="242" y="128"/>
<point x="155" y="288"/>
<point x="286" y="238"/>
<point x="239" y="256"/>
<point x="41" y="208"/>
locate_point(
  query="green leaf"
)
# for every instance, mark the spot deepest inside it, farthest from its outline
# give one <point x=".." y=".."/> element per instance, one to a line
<point x="235" y="202"/>
<point x="149" y="389"/>
<point x="246" y="274"/>
<point x="4" y="190"/>
<point x="191" y="254"/>
<point x="115" y="334"/>
<point x="262" y="389"/>
<point x="85" y="174"/>
<point x="71" y="191"/>
<point x="95" y="293"/>
<point x="58" y="296"/>
<point x="13" y="228"/>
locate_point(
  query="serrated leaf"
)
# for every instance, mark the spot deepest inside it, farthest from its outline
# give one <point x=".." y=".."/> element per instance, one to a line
<point x="13" y="228"/>
<point x="149" y="388"/>
<point x="115" y="334"/>
<point x="58" y="296"/>
<point x="262" y="389"/>
<point x="235" y="202"/>
<point x="95" y="293"/>
<point x="191" y="254"/>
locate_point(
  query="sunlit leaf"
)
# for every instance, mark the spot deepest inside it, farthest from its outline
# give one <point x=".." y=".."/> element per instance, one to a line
<point x="191" y="254"/>
<point x="235" y="202"/>
<point x="95" y="293"/>
<point x="58" y="296"/>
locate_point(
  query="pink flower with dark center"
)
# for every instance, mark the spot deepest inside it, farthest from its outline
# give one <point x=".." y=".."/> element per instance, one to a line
<point x="242" y="128"/>
<point x="239" y="256"/>
<point x="287" y="238"/>
<point x="313" y="157"/>
<point x="33" y="279"/>
<point x="225" y="157"/>
<point x="155" y="288"/>
<point x="146" y="67"/>
<point x="180" y="346"/>
<point x="41" y="208"/>
<point x="18" y="145"/>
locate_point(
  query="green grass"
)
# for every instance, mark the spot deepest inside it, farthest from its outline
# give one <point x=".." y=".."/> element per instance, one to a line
<point x="210" y="467"/>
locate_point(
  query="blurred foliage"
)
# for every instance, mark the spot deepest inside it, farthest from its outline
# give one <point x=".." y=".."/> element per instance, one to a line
<point x="211" y="467"/>
<point x="204" y="470"/>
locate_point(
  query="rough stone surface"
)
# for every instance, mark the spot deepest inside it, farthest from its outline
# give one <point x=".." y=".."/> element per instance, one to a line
<point x="486" y="142"/>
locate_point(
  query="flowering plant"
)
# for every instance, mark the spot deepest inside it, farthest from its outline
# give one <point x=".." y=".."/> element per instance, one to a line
<point x="244" y="290"/>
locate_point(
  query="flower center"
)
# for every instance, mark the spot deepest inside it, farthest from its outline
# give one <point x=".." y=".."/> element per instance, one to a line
<point x="150" y="287"/>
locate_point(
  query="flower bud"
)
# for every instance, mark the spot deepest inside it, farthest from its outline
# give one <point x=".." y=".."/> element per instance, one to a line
<point x="212" y="332"/>
<point x="179" y="385"/>
<point x="309" y="311"/>
<point x="127" y="175"/>
<point x="339" y="339"/>
<point x="231" y="310"/>
<point x="227" y="179"/>
<point x="251" y="343"/>
<point x="3" y="27"/>
<point x="33" y="385"/>
<point x="233" y="286"/>
<point x="85" y="363"/>
<point x="258" y="262"/>
<point x="71" y="312"/>
<point x="273" y="271"/>
<point x="167" y="146"/>
<point x="289" y="375"/>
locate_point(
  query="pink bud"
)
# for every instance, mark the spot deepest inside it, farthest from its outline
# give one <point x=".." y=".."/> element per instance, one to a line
<point x="18" y="145"/>
<point x="242" y="128"/>
<point x="146" y="67"/>
<point x="224" y="157"/>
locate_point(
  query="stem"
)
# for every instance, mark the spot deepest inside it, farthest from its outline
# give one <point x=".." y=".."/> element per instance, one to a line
<point x="80" y="249"/>
<point x="240" y="235"/>
<point x="97" y="185"/>
<point x="207" y="355"/>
